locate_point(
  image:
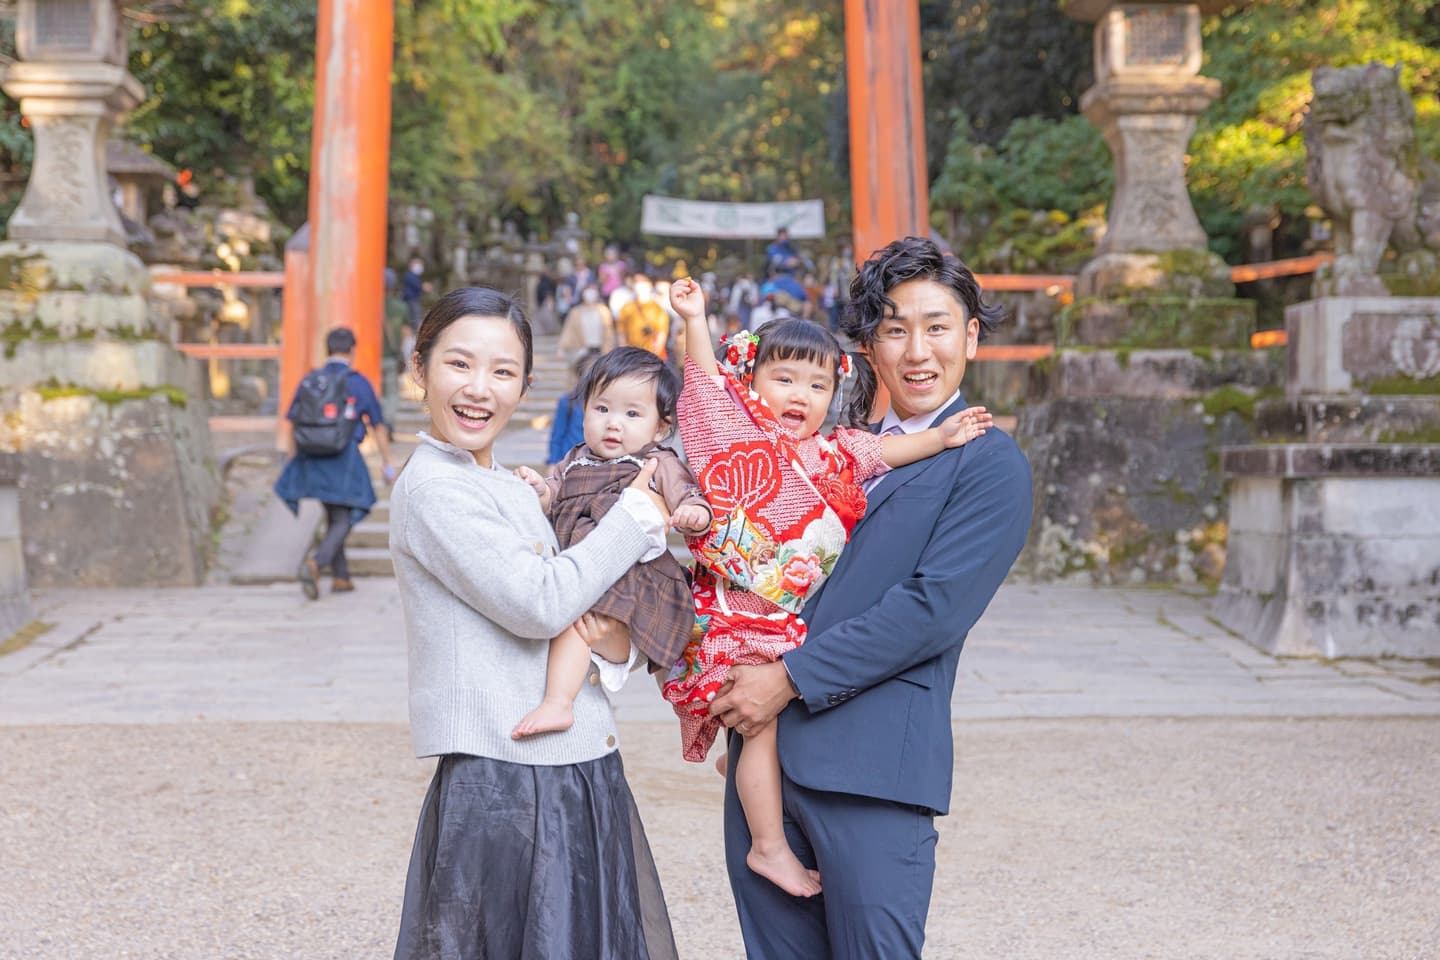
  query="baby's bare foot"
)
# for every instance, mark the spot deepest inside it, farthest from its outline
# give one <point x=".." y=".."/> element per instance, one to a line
<point x="722" y="764"/>
<point x="550" y="717"/>
<point x="782" y="868"/>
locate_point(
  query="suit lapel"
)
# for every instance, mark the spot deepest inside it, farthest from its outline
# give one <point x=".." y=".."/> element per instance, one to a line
<point x="900" y="476"/>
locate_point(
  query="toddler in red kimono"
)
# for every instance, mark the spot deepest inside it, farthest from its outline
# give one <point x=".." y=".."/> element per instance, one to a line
<point x="784" y="501"/>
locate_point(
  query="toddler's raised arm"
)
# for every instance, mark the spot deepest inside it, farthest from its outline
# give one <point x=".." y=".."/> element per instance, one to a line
<point x="688" y="300"/>
<point x="954" y="431"/>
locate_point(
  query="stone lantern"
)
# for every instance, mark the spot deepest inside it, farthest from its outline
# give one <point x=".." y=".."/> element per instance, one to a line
<point x="107" y="419"/>
<point x="1147" y="96"/>
<point x="72" y="85"/>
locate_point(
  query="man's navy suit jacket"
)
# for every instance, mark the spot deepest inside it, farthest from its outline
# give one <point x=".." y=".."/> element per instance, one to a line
<point x="877" y="669"/>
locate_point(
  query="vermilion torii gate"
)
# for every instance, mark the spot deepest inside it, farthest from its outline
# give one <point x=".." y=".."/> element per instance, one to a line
<point x="351" y="149"/>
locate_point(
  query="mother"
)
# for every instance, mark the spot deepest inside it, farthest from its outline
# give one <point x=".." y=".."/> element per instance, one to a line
<point x="530" y="849"/>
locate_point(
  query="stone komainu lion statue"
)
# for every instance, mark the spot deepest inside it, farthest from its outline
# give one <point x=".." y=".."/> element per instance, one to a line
<point x="1365" y="171"/>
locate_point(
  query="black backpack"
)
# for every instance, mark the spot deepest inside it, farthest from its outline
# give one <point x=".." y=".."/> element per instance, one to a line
<point x="324" y="413"/>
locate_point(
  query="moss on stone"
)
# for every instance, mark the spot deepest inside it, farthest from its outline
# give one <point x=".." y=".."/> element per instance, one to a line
<point x="112" y="398"/>
<point x="1191" y="263"/>
<point x="17" y="273"/>
<point x="1237" y="400"/>
<point x="1411" y="285"/>
<point x="18" y="332"/>
<point x="1401" y="385"/>
<point x="1159" y="322"/>
<point x="1428" y="435"/>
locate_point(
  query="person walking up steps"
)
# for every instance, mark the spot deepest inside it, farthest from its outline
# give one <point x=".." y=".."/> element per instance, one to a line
<point x="328" y="416"/>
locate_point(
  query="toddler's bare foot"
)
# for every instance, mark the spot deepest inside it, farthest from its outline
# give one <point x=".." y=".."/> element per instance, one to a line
<point x="551" y="716"/>
<point x="782" y="868"/>
<point x="722" y="764"/>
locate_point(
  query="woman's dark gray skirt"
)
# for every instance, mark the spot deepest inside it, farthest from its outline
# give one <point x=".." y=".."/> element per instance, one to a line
<point x="514" y="862"/>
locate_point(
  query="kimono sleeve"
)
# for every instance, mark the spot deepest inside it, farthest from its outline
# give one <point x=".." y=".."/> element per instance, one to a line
<point x="863" y="450"/>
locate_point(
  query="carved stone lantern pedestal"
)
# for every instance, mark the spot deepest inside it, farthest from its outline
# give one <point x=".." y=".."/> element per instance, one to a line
<point x="108" y="421"/>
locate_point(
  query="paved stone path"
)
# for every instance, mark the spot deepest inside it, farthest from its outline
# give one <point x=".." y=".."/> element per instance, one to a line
<point x="225" y="773"/>
<point x="257" y="654"/>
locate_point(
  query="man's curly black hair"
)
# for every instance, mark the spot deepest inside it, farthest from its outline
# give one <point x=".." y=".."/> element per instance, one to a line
<point x="912" y="258"/>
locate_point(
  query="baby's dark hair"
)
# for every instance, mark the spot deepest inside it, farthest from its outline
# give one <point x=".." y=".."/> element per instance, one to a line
<point x="633" y="362"/>
<point x="808" y="340"/>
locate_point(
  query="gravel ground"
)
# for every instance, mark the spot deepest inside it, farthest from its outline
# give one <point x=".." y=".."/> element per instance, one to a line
<point x="1069" y="839"/>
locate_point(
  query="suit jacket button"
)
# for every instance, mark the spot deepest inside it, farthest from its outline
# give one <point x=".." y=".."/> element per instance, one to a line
<point x="594" y="679"/>
<point x="610" y="740"/>
<point x="540" y="548"/>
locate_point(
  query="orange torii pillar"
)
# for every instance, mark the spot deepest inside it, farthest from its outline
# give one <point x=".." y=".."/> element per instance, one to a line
<point x="349" y="173"/>
<point x="889" y="188"/>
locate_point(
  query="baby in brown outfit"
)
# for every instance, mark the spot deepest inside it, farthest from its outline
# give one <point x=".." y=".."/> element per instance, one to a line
<point x="629" y="397"/>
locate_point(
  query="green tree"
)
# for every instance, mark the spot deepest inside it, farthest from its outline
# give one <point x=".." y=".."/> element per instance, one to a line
<point x="994" y="61"/>
<point x="232" y="89"/>
<point x="1249" y="150"/>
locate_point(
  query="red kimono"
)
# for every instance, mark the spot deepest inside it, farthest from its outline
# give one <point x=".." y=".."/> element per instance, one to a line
<point x="784" y="509"/>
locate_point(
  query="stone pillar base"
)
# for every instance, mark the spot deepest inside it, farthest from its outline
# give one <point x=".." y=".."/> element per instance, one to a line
<point x="107" y="421"/>
<point x="15" y="607"/>
<point x="1124" y="447"/>
<point x="115" y="489"/>
<point x="1334" y="550"/>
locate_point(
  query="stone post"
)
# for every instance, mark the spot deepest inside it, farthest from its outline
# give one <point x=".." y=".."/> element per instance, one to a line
<point x="107" y="419"/>
<point x="1153" y="372"/>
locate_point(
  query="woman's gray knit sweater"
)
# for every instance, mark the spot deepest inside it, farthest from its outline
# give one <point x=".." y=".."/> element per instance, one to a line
<point x="484" y="590"/>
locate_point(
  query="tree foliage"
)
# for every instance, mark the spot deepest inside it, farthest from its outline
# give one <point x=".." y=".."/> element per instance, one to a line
<point x="527" y="109"/>
<point x="232" y="88"/>
<point x="1248" y="152"/>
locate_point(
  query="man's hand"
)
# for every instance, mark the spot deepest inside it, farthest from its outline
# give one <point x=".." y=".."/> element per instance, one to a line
<point x="537" y="483"/>
<point x="690" y="518"/>
<point x="965" y="426"/>
<point x="752" y="697"/>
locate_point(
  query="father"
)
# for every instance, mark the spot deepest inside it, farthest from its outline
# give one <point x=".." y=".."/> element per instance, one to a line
<point x="864" y="705"/>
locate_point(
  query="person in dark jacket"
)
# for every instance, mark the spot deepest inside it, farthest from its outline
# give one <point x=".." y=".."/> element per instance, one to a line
<point x="340" y="482"/>
<point x="567" y="428"/>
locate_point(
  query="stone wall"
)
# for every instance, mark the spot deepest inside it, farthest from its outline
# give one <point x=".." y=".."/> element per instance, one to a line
<point x="1125" y="445"/>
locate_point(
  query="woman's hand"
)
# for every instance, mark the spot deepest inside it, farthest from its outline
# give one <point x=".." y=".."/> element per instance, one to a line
<point x="642" y="483"/>
<point x="965" y="426"/>
<point x="537" y="483"/>
<point x="690" y="518"/>
<point x="687" y="299"/>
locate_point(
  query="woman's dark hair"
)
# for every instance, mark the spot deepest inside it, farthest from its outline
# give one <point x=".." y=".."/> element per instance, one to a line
<point x="340" y="341"/>
<point x="474" y="302"/>
<point x="913" y="258"/>
<point x="808" y="340"/>
<point x="625" y="362"/>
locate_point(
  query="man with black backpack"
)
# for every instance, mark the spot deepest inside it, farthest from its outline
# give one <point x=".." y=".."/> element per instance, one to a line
<point x="328" y="416"/>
